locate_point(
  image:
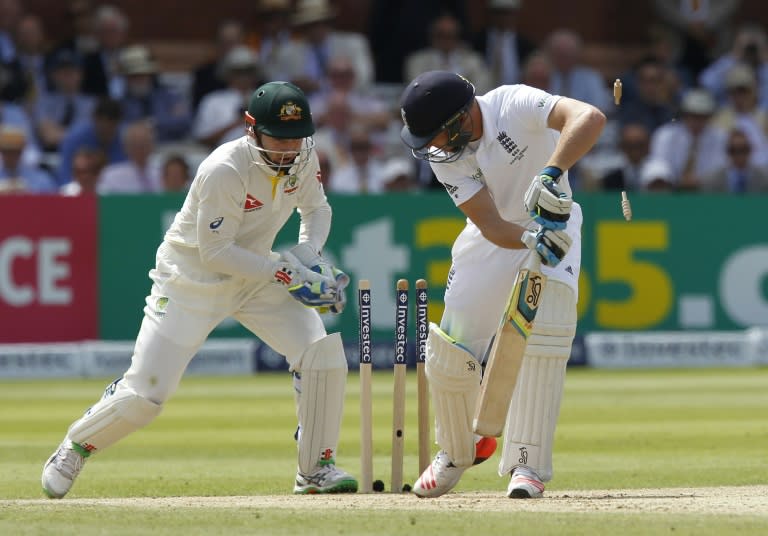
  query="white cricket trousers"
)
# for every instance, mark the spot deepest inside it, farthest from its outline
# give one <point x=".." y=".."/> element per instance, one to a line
<point x="186" y="303"/>
<point x="481" y="278"/>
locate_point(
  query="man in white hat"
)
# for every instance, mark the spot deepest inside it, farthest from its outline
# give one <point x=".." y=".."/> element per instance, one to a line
<point x="146" y="98"/>
<point x="691" y="146"/>
<point x="305" y="60"/>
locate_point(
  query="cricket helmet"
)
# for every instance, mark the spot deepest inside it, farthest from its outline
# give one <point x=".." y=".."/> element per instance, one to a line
<point x="436" y="102"/>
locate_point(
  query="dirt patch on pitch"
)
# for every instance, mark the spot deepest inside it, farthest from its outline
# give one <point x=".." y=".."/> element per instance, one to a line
<point x="740" y="500"/>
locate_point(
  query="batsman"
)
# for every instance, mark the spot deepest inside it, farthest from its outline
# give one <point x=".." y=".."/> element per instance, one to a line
<point x="216" y="261"/>
<point x="503" y="157"/>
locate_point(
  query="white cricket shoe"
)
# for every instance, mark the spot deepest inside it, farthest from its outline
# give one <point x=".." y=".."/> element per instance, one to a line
<point x="439" y="477"/>
<point x="525" y="484"/>
<point x="61" y="469"/>
<point x="326" y="478"/>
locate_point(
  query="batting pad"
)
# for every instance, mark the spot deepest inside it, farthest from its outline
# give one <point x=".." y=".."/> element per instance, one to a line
<point x="320" y="395"/>
<point x="120" y="412"/>
<point x="535" y="407"/>
<point x="454" y="381"/>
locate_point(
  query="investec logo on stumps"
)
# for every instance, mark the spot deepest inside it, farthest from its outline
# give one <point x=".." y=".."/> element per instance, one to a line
<point x="365" y="326"/>
<point x="402" y="326"/>
<point x="421" y="321"/>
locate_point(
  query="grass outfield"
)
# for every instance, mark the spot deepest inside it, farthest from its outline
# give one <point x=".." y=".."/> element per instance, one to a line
<point x="636" y="452"/>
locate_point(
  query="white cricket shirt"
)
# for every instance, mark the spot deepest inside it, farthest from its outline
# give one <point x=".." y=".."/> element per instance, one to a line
<point x="516" y="144"/>
<point x="235" y="208"/>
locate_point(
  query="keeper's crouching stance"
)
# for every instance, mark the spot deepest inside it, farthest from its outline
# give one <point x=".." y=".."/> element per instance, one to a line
<point x="503" y="158"/>
<point x="216" y="262"/>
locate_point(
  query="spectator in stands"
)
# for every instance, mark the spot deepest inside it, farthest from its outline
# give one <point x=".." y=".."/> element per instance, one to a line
<point x="31" y="48"/>
<point x="81" y="36"/>
<point x="136" y="174"/>
<point x="705" y="28"/>
<point x="86" y="168"/>
<point x="65" y="104"/>
<point x="665" y="45"/>
<point x="101" y="67"/>
<point x="447" y="52"/>
<point x="101" y="132"/>
<point x="341" y="80"/>
<point x="220" y="114"/>
<point x="750" y="47"/>
<point x="505" y="50"/>
<point x="692" y="146"/>
<point x="571" y="78"/>
<point x="406" y="20"/>
<point x="146" y="99"/>
<point x="209" y="77"/>
<point x="652" y="104"/>
<point x="15" y="176"/>
<point x="332" y="136"/>
<point x="175" y="175"/>
<point x="743" y="112"/>
<point x="304" y="61"/>
<point x="537" y="71"/>
<point x="657" y="176"/>
<point x="13" y="84"/>
<point x="737" y="175"/>
<point x="634" y="147"/>
<point x="365" y="172"/>
<point x="272" y="29"/>
<point x="10" y="13"/>
<point x="14" y="115"/>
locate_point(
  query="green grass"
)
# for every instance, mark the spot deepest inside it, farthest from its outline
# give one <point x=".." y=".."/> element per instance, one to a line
<point x="233" y="436"/>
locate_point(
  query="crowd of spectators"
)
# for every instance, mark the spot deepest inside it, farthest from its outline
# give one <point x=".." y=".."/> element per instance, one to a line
<point x="96" y="113"/>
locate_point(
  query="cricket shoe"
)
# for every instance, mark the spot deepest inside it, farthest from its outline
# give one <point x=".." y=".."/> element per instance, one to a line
<point x="438" y="478"/>
<point x="525" y="484"/>
<point x="442" y="475"/>
<point x="61" y="469"/>
<point x="326" y="478"/>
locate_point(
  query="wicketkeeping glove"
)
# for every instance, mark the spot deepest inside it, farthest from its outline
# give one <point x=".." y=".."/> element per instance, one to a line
<point x="545" y="202"/>
<point x="308" y="257"/>
<point x="551" y="245"/>
<point x="306" y="286"/>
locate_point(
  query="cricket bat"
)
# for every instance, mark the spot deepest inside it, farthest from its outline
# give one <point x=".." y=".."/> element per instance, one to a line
<point x="508" y="347"/>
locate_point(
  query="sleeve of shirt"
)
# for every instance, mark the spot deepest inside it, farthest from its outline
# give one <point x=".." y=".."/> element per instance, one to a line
<point x="313" y="208"/>
<point x="528" y="106"/>
<point x="219" y="215"/>
<point x="459" y="180"/>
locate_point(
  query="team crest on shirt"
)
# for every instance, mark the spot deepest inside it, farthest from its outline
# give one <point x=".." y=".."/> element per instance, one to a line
<point x="290" y="112"/>
<point x="509" y="145"/>
<point x="291" y="185"/>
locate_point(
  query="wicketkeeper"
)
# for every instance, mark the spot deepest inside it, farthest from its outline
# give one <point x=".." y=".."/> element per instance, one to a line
<point x="215" y="262"/>
<point x="485" y="150"/>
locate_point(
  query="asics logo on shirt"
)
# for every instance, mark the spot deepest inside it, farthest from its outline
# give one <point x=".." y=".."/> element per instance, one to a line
<point x="251" y="203"/>
<point x="216" y="223"/>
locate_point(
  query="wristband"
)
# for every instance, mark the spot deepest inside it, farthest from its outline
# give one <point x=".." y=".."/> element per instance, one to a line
<point x="552" y="171"/>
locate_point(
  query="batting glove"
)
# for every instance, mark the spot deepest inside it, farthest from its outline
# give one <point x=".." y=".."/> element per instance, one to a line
<point x="545" y="202"/>
<point x="551" y="245"/>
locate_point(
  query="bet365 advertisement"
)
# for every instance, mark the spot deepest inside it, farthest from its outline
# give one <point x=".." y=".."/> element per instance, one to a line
<point x="683" y="262"/>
